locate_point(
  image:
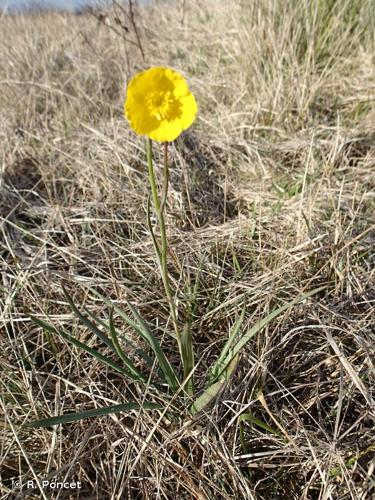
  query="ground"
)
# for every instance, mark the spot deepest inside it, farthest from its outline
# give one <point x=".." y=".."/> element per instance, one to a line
<point x="272" y="195"/>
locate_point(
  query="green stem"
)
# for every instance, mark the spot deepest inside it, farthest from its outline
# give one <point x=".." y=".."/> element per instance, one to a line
<point x="163" y="251"/>
<point x="151" y="176"/>
<point x="165" y="180"/>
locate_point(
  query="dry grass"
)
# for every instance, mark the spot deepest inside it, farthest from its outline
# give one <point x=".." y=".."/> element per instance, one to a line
<point x="272" y="193"/>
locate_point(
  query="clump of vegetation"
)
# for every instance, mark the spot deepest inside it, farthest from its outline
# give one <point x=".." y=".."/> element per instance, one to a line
<point x="271" y="194"/>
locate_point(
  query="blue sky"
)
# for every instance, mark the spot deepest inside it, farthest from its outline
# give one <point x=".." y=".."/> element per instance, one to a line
<point x="61" y="4"/>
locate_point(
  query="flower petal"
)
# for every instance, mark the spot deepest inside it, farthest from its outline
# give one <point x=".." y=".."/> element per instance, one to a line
<point x="159" y="104"/>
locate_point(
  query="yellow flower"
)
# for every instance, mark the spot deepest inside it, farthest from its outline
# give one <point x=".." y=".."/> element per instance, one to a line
<point x="159" y="104"/>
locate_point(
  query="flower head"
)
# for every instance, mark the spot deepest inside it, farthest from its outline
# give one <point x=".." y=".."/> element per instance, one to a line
<point x="159" y="104"/>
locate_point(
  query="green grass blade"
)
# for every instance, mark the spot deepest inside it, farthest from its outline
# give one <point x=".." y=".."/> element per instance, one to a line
<point x="229" y="363"/>
<point x="248" y="417"/>
<point x="104" y="359"/>
<point x="89" y="324"/>
<point x="140" y="352"/>
<point x="206" y="397"/>
<point x="217" y="367"/>
<point x="213" y="389"/>
<point x="262" y="323"/>
<point x="124" y="358"/>
<point x="187" y="352"/>
<point x="164" y="364"/>
<point x="96" y="412"/>
<point x="143" y="330"/>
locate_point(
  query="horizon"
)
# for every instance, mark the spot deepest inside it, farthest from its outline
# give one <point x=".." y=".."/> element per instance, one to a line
<point x="69" y="5"/>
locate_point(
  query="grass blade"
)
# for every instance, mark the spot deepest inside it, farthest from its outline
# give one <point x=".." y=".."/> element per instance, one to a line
<point x="164" y="364"/>
<point x="217" y="367"/>
<point x="81" y="345"/>
<point x="206" y="397"/>
<point x="140" y="352"/>
<point x="262" y="323"/>
<point x="256" y="421"/>
<point x="143" y="330"/>
<point x="124" y="358"/>
<point x="89" y="324"/>
<point x="96" y="412"/>
<point x="248" y="417"/>
<point x="213" y="390"/>
<point x="187" y="352"/>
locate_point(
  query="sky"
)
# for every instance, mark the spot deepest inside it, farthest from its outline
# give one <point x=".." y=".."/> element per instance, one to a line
<point x="59" y="4"/>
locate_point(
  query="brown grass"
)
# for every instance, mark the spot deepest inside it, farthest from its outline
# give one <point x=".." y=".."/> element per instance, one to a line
<point x="272" y="193"/>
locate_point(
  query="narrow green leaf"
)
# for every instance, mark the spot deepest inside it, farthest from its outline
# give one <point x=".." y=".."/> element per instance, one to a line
<point x="164" y="364"/>
<point x="96" y="412"/>
<point x="206" y="397"/>
<point x="81" y="345"/>
<point x="140" y="352"/>
<point x="217" y="367"/>
<point x="187" y="353"/>
<point x="137" y="374"/>
<point x="89" y="324"/>
<point x="256" y="421"/>
<point x="143" y="330"/>
<point x="262" y="323"/>
<point x="213" y="390"/>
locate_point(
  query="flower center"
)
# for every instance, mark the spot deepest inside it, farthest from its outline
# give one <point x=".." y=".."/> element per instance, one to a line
<point x="160" y="104"/>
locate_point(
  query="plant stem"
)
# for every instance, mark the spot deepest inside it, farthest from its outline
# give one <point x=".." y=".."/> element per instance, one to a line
<point x="163" y="251"/>
<point x="151" y="176"/>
